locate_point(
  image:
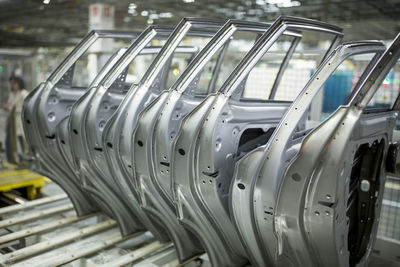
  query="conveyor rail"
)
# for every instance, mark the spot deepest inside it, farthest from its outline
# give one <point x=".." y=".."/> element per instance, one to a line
<point x="47" y="232"/>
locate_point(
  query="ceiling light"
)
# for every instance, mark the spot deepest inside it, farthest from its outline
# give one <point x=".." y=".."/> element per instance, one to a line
<point x="144" y="13"/>
<point x="150" y="21"/>
<point x="166" y="15"/>
<point x="239" y="14"/>
<point x="46" y="2"/>
<point x="282" y="3"/>
<point x="154" y="16"/>
<point x="188" y="1"/>
<point x="132" y="12"/>
<point x="132" y="9"/>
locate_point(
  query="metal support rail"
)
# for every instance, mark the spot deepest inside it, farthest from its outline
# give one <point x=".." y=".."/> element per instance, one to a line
<point x="41" y="228"/>
<point x="31" y="204"/>
<point x="60" y="240"/>
<point x="136" y="254"/>
<point x="50" y="234"/>
<point x="35" y="215"/>
<point x="78" y="249"/>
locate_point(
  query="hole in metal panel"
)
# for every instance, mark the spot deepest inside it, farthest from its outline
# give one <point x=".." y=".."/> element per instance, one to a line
<point x="241" y="186"/>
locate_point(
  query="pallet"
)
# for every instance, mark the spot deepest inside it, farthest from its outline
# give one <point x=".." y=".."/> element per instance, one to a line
<point x="13" y="178"/>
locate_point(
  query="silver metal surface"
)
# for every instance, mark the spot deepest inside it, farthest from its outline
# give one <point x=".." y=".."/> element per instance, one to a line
<point x="117" y="135"/>
<point x="210" y="141"/>
<point x="242" y="188"/>
<point x="208" y="169"/>
<point x="83" y="130"/>
<point x="39" y="131"/>
<point x="295" y="197"/>
<point x="151" y="152"/>
<point x="58" y="101"/>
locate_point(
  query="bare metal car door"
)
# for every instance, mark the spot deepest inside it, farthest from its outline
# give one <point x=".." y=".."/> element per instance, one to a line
<point x="147" y="90"/>
<point x="159" y="122"/>
<point x="118" y="130"/>
<point x="218" y="132"/>
<point x="40" y="130"/>
<point x="326" y="197"/>
<point x="241" y="191"/>
<point x="86" y="123"/>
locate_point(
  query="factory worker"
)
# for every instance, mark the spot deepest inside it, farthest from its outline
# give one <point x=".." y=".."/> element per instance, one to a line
<point x="14" y="130"/>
